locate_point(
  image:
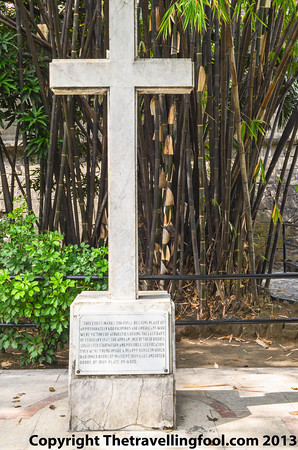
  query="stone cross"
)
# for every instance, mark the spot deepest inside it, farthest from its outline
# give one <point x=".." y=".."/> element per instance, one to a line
<point x="122" y="76"/>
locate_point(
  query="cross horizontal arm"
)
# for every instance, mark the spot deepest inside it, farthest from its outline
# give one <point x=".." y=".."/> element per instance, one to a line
<point x="97" y="76"/>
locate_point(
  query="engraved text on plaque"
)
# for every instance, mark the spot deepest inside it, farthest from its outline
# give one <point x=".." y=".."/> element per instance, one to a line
<point x="123" y="344"/>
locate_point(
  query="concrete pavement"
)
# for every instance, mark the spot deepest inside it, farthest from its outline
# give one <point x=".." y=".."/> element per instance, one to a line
<point x="235" y="408"/>
<point x="284" y="289"/>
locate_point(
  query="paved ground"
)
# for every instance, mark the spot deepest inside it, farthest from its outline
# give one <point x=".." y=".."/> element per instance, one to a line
<point x="239" y="403"/>
<point x="285" y="289"/>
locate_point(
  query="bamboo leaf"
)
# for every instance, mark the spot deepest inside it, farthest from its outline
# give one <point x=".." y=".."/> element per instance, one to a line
<point x="263" y="176"/>
<point x="243" y="130"/>
<point x="162" y="180"/>
<point x="167" y="217"/>
<point x="165" y="254"/>
<point x="202" y="79"/>
<point x="165" y="236"/>
<point x="157" y="15"/>
<point x="276" y="216"/>
<point x="171" y="116"/>
<point x="152" y="106"/>
<point x="168" y="148"/>
<point x="169" y="198"/>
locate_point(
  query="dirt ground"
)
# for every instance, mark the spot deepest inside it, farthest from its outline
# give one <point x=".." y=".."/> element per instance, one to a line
<point x="201" y="352"/>
<point x="217" y="352"/>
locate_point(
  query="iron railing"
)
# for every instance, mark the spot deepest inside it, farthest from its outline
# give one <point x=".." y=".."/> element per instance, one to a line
<point x="288" y="243"/>
<point x="277" y="275"/>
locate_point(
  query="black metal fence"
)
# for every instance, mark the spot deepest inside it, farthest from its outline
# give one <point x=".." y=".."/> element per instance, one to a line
<point x="289" y="265"/>
<point x="260" y="276"/>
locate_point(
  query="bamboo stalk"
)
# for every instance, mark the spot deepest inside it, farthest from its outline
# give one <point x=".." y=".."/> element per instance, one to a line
<point x="200" y="87"/>
<point x="192" y="214"/>
<point x="274" y="227"/>
<point x="242" y="159"/>
<point x="50" y="165"/>
<point x="32" y="48"/>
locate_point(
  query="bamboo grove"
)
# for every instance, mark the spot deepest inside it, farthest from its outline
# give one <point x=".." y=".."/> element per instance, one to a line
<point x="201" y="177"/>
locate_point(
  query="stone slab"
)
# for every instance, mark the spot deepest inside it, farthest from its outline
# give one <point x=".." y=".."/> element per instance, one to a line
<point x="121" y="401"/>
<point x="69" y="76"/>
<point x="116" y="403"/>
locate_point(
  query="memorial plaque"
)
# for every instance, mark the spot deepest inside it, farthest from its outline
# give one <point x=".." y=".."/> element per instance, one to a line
<point x="123" y="343"/>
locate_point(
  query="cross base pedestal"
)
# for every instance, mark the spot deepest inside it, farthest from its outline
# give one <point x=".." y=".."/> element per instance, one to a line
<point x="122" y="362"/>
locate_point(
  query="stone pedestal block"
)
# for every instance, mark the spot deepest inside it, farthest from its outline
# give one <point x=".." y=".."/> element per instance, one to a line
<point x="122" y="362"/>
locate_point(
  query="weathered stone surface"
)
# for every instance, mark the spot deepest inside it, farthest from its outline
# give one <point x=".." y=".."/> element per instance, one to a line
<point x="261" y="329"/>
<point x="274" y="330"/>
<point x="114" y="403"/>
<point x="110" y="402"/>
<point x="222" y="330"/>
<point x="249" y="331"/>
<point x="290" y="331"/>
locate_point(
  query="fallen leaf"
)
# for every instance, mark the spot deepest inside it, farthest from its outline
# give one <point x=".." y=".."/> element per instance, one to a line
<point x="51" y="389"/>
<point x="294" y="413"/>
<point x="209" y="337"/>
<point x="20" y="420"/>
<point x="62" y="415"/>
<point x="190" y="342"/>
<point x="270" y="357"/>
<point x="52" y="407"/>
<point x="230" y="337"/>
<point x="261" y="343"/>
<point x="22" y="393"/>
<point x="223" y="337"/>
<point x="16" y="401"/>
<point x="179" y="317"/>
<point x="204" y="385"/>
<point x="282" y="346"/>
<point x="17" y="406"/>
<point x="16" y="397"/>
<point x="294" y="389"/>
<point x="267" y="341"/>
<point x="212" y="419"/>
<point x="245" y="389"/>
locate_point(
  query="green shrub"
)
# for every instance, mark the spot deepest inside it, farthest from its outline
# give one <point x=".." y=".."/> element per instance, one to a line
<point x="26" y="253"/>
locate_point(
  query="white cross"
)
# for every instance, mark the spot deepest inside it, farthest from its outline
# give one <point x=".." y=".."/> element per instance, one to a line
<point x="121" y="76"/>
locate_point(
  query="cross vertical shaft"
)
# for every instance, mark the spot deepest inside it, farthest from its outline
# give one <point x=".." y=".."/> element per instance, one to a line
<point x="122" y="30"/>
<point x="123" y="267"/>
<point x="122" y="177"/>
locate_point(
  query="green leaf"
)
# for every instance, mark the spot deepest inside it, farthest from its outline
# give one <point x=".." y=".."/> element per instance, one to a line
<point x="276" y="216"/>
